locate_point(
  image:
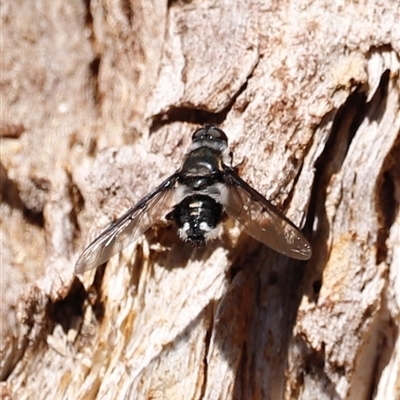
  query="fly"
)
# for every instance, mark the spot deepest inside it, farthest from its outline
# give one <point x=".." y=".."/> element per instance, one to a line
<point x="196" y="198"/>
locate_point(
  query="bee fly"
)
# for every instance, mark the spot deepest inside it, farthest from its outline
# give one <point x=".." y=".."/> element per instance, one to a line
<point x="196" y="198"/>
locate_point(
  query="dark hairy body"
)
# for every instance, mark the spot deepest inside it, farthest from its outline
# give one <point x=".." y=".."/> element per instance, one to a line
<point x="197" y="197"/>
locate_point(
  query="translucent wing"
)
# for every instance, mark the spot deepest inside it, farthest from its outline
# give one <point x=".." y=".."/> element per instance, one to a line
<point x="261" y="219"/>
<point x="129" y="227"/>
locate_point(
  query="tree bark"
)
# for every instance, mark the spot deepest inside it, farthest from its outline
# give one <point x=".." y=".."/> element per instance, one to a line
<point x="98" y="103"/>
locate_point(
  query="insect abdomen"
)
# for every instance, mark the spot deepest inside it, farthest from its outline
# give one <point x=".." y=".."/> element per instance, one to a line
<point x="197" y="216"/>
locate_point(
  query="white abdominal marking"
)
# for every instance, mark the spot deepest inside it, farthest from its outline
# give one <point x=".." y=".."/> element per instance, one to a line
<point x="196" y="204"/>
<point x="204" y="226"/>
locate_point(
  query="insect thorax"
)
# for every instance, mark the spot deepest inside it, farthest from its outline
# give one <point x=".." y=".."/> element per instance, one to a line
<point x="202" y="162"/>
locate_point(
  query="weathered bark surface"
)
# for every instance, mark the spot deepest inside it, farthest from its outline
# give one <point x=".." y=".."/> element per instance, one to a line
<point x="98" y="100"/>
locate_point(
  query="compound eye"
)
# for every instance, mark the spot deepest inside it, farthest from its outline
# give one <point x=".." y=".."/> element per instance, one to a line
<point x="216" y="133"/>
<point x="210" y="132"/>
<point x="200" y="133"/>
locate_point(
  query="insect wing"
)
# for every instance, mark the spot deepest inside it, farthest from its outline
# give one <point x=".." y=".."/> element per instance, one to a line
<point x="129" y="227"/>
<point x="261" y="219"/>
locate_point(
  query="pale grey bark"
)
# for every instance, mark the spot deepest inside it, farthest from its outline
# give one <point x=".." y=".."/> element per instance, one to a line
<point x="98" y="101"/>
